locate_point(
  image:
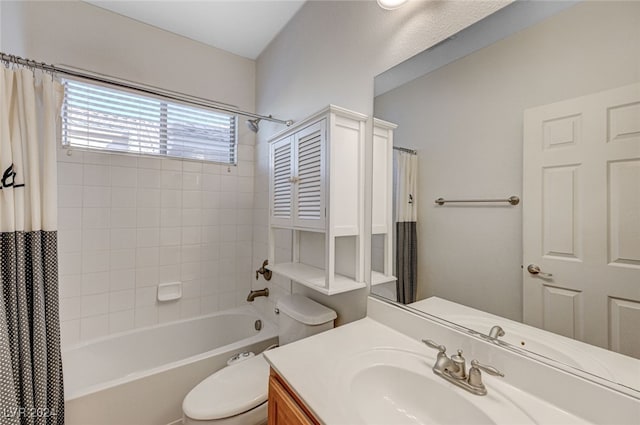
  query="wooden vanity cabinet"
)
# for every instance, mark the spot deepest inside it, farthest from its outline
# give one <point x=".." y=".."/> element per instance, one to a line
<point x="285" y="408"/>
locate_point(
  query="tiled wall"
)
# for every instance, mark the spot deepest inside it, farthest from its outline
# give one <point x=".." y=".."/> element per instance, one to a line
<point x="127" y="223"/>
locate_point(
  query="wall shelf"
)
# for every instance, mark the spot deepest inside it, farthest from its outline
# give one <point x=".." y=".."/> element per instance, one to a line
<point x="315" y="278"/>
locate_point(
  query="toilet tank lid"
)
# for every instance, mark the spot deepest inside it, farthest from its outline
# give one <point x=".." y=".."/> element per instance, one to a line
<point x="305" y="310"/>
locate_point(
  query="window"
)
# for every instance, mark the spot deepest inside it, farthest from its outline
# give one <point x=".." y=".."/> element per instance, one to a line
<point x="98" y="117"/>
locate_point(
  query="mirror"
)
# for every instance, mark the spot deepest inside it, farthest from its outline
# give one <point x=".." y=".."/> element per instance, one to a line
<point x="540" y="100"/>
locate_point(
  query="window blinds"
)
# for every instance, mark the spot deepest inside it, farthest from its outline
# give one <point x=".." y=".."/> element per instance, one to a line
<point x="103" y="118"/>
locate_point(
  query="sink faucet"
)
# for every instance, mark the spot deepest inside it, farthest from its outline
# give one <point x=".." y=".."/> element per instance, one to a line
<point x="453" y="369"/>
<point x="496" y="332"/>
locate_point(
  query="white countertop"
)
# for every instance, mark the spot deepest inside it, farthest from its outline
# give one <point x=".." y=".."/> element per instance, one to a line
<point x="315" y="368"/>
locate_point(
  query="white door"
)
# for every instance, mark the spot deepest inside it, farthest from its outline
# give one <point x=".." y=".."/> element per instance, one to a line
<point x="581" y="218"/>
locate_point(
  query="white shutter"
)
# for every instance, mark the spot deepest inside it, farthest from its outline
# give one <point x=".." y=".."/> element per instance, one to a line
<point x="281" y="186"/>
<point x="309" y="176"/>
<point x="111" y="119"/>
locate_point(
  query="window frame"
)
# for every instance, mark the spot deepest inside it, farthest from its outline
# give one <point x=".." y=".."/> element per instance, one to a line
<point x="163" y="123"/>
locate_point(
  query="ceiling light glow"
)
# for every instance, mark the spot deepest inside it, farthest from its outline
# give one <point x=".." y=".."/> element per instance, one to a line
<point x="391" y="4"/>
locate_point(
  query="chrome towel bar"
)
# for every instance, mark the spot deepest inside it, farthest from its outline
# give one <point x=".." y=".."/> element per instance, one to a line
<point x="513" y="200"/>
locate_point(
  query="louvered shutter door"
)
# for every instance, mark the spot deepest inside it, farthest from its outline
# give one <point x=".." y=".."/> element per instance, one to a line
<point x="310" y="159"/>
<point x="281" y="186"/>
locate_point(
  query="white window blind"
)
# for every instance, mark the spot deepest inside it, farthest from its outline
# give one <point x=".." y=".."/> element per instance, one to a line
<point x="103" y="118"/>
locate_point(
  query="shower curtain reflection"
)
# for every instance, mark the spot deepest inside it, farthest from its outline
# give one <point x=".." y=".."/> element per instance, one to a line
<point x="405" y="177"/>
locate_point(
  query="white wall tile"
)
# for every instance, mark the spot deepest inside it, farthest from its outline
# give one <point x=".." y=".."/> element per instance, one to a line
<point x="70" y="286"/>
<point x="69" y="196"/>
<point x="171" y="198"/>
<point x="121" y="300"/>
<point x="169" y="311"/>
<point x="121" y="321"/>
<point x="149" y="198"/>
<point x="170" y="236"/>
<point x="123" y="197"/>
<point x="122" y="259"/>
<point x="127" y="223"/>
<point x="70" y="332"/>
<point x="191" y="181"/>
<point x="191" y="199"/>
<point x="96" y="196"/>
<point x="94" y="305"/>
<point x="96" y="175"/>
<point x="124" y="177"/>
<point x="122" y="279"/>
<point x="147" y="276"/>
<point x="69" y="240"/>
<point x="148" y="217"/>
<point x="171" y="179"/>
<point x="146" y="316"/>
<point x="95" y="283"/>
<point x="148" y="237"/>
<point x="123" y="238"/>
<point x="95" y="218"/>
<point x="70" y="173"/>
<point x="170" y="255"/>
<point x="148" y="178"/>
<point x="95" y="240"/>
<point x="124" y="161"/>
<point x="94" y="327"/>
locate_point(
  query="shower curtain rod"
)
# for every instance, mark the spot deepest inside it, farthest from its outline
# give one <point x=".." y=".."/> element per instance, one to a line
<point x="155" y="91"/>
<point x="407" y="150"/>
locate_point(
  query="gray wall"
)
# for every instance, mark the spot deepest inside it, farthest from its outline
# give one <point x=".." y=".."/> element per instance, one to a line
<point x="465" y="120"/>
<point x="329" y="53"/>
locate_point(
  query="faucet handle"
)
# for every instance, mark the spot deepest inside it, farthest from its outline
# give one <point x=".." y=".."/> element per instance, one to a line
<point x="489" y="369"/>
<point x="435" y="345"/>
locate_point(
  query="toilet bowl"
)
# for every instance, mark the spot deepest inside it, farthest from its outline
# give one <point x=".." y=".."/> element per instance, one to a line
<point x="237" y="394"/>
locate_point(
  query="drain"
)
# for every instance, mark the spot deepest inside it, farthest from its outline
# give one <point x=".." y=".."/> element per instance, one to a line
<point x="258" y="324"/>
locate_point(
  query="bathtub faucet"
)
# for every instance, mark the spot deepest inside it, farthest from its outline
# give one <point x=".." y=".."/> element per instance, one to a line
<point x="258" y="293"/>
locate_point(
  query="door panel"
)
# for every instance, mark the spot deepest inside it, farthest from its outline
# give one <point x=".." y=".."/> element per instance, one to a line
<point x="310" y="177"/>
<point x="581" y="218"/>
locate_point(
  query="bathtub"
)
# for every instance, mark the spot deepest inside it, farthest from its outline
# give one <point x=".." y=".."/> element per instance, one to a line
<point x="141" y="376"/>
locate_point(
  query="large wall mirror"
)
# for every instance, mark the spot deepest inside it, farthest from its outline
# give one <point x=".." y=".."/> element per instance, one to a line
<point x="541" y="101"/>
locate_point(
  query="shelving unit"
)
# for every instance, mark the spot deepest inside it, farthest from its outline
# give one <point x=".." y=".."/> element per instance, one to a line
<point x="316" y="185"/>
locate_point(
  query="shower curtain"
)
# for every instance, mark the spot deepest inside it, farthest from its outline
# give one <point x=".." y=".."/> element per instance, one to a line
<point x="31" y="390"/>
<point x="406" y="209"/>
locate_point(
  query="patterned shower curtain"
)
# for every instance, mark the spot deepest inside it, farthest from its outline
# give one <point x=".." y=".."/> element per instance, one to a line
<point x="31" y="389"/>
<point x="405" y="179"/>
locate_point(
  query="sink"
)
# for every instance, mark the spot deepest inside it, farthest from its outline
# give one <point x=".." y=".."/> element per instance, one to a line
<point x="390" y="395"/>
<point x="393" y="386"/>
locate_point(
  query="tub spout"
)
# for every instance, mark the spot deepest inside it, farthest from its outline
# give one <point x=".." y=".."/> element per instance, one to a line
<point x="258" y="293"/>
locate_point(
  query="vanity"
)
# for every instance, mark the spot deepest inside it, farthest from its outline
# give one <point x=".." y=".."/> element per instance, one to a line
<point x="378" y="371"/>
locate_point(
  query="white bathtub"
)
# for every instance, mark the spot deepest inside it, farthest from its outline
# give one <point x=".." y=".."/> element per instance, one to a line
<point x="141" y="376"/>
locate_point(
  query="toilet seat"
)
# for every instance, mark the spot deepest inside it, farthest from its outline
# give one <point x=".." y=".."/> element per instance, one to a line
<point x="231" y="391"/>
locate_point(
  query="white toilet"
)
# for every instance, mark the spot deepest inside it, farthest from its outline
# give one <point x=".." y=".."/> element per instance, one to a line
<point x="237" y="394"/>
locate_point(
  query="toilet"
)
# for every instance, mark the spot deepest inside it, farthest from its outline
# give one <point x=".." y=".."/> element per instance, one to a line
<point x="237" y="394"/>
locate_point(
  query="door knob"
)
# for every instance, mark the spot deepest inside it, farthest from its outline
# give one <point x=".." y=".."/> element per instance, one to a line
<point x="535" y="270"/>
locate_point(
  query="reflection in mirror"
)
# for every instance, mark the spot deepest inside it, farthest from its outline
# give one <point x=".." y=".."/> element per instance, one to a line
<point x="551" y="114"/>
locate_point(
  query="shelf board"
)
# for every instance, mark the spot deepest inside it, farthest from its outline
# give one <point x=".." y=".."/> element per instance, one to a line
<point x="378" y="278"/>
<point x="314" y="278"/>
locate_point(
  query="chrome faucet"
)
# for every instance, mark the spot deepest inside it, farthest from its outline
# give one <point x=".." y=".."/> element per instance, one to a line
<point x="454" y="370"/>
<point x="257" y="293"/>
<point x="496" y="332"/>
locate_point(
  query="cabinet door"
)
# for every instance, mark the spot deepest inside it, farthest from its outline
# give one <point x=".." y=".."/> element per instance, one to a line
<point x="281" y="182"/>
<point x="310" y="154"/>
<point x="283" y="409"/>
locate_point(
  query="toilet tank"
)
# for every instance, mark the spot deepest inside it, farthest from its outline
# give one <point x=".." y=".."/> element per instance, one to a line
<point x="300" y="317"/>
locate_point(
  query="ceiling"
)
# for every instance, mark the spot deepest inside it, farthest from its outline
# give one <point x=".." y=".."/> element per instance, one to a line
<point x="243" y="27"/>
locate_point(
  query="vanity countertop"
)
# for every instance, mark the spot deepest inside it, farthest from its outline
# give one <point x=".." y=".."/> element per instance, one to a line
<point x="318" y="369"/>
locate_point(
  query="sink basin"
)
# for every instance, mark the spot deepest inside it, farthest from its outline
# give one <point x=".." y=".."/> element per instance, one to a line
<point x="392" y="386"/>
<point x="390" y="395"/>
